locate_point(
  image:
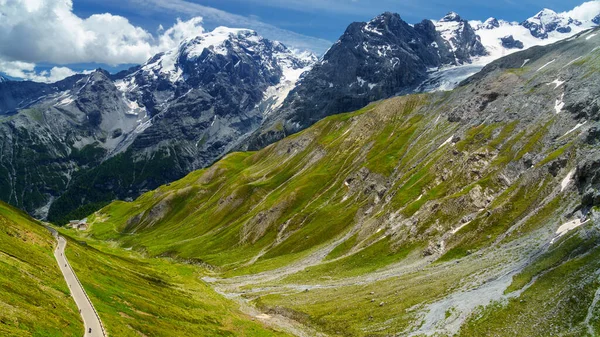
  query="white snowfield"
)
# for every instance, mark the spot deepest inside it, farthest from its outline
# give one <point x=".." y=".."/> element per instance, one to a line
<point x="566" y="227"/>
<point x="577" y="20"/>
<point x="567" y="180"/>
<point x="559" y="104"/>
<point x="492" y="31"/>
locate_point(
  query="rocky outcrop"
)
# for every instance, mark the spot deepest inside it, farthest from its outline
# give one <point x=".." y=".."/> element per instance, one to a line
<point x="509" y="42"/>
<point x="114" y="136"/>
<point x="372" y="60"/>
<point x="460" y="39"/>
<point x="548" y="21"/>
<point x="588" y="181"/>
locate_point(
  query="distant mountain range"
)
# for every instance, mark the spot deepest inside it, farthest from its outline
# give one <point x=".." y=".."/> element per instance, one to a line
<point x="386" y="57"/>
<point x="70" y="147"/>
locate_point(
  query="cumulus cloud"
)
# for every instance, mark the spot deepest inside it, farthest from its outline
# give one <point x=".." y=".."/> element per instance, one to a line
<point x="27" y="71"/>
<point x="181" y="30"/>
<point x="585" y="11"/>
<point x="33" y="31"/>
<point x="217" y="17"/>
<point x="49" y="31"/>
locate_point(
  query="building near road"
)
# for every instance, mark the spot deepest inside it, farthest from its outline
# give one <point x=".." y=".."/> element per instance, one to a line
<point x="78" y="224"/>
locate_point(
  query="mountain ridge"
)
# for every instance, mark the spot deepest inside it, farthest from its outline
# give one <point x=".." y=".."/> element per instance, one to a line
<point x="469" y="212"/>
<point x="187" y="107"/>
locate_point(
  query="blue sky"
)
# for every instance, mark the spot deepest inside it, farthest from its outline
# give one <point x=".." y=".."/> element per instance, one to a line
<point x="304" y="24"/>
<point x="326" y="19"/>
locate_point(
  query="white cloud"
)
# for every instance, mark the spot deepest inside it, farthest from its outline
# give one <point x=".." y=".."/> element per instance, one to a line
<point x="218" y="17"/>
<point x="49" y="31"/>
<point x="585" y="11"/>
<point x="181" y="30"/>
<point x="27" y="71"/>
<point x="34" y="31"/>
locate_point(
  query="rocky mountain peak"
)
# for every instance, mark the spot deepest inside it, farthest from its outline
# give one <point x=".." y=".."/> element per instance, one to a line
<point x="491" y="23"/>
<point x="509" y="42"/>
<point x="219" y="41"/>
<point x="548" y="21"/>
<point x="385" y="18"/>
<point x="546" y="14"/>
<point x="451" y="17"/>
<point x="386" y="23"/>
<point x="373" y="60"/>
<point x="460" y="38"/>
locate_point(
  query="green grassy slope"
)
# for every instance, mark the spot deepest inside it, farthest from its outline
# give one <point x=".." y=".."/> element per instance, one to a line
<point x="421" y="213"/>
<point x="135" y="296"/>
<point x="292" y="198"/>
<point x="34" y="298"/>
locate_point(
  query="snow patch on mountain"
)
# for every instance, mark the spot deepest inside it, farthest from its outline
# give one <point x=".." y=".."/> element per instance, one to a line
<point x="446" y="79"/>
<point x="546" y="27"/>
<point x="449" y="27"/>
<point x="215" y="42"/>
<point x="293" y="65"/>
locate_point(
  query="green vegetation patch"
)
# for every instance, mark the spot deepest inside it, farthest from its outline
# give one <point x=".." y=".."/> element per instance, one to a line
<point x="34" y="298"/>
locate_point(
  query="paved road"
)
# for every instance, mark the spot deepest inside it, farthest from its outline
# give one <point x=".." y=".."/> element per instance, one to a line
<point x="90" y="320"/>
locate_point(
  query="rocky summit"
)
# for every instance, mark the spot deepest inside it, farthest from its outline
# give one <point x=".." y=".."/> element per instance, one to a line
<point x="372" y="60"/>
<point x="91" y="138"/>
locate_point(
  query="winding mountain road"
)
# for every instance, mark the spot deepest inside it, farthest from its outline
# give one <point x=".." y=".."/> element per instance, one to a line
<point x="86" y="309"/>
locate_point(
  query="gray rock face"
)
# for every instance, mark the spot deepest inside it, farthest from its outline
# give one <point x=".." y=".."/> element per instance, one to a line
<point x="371" y="60"/>
<point x="16" y="95"/>
<point x="460" y="39"/>
<point x="588" y="181"/>
<point x="575" y="106"/>
<point x="547" y="21"/>
<point x="510" y="42"/>
<point x="491" y="23"/>
<point x="44" y="145"/>
<point x="108" y="136"/>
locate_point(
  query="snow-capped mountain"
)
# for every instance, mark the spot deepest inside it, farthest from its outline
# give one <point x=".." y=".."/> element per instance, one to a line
<point x="239" y="56"/>
<point x="373" y="60"/>
<point x="547" y="22"/>
<point x="501" y="37"/>
<point x="386" y="56"/>
<point x="118" y="135"/>
<point x="460" y="38"/>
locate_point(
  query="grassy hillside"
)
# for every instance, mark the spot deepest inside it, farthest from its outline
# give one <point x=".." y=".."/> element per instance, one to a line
<point x="34" y="298"/>
<point x="135" y="296"/>
<point x="420" y="214"/>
